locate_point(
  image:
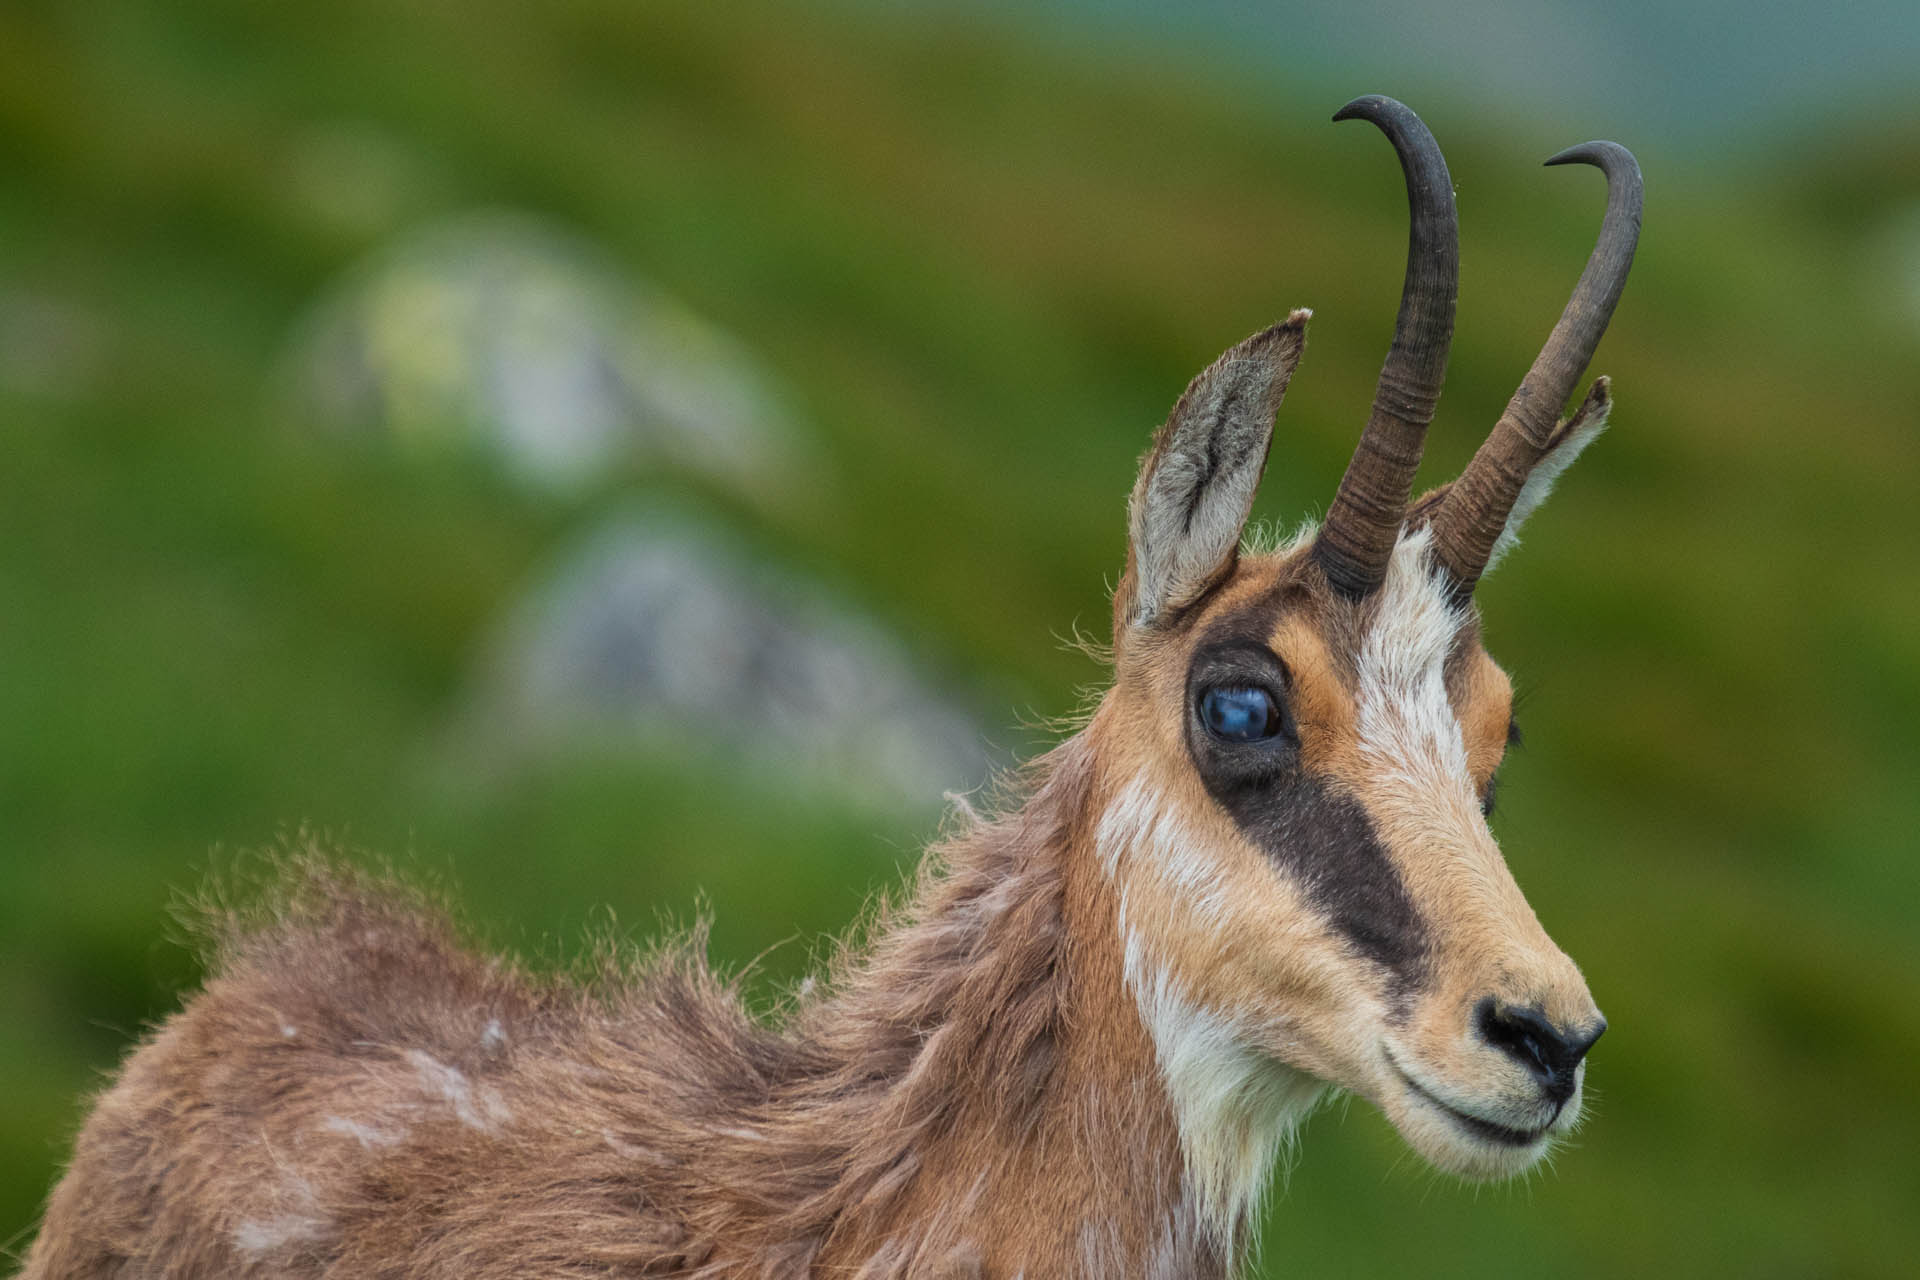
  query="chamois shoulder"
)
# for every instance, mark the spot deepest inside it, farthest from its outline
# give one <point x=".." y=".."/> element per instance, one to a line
<point x="353" y="1083"/>
<point x="335" y="959"/>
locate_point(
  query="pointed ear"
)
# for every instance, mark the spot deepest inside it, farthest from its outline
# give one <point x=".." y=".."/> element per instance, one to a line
<point x="1569" y="439"/>
<point x="1566" y="443"/>
<point x="1197" y="484"/>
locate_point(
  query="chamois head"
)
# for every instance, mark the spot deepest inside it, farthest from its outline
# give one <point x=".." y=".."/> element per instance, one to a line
<point x="1303" y="744"/>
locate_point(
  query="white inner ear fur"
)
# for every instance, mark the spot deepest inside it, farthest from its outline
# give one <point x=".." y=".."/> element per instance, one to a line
<point x="1541" y="480"/>
<point x="1189" y="519"/>
<point x="1193" y="500"/>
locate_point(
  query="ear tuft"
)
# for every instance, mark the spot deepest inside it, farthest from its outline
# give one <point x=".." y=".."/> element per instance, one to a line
<point x="1197" y="484"/>
<point x="1568" y="440"/>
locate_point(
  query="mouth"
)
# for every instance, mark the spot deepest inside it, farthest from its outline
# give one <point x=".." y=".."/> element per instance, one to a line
<point x="1481" y="1128"/>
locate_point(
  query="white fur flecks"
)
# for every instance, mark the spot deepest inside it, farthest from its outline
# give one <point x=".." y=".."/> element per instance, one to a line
<point x="298" y="1221"/>
<point x="476" y="1108"/>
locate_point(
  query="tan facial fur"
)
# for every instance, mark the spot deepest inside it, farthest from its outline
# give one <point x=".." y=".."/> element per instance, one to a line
<point x="1399" y="709"/>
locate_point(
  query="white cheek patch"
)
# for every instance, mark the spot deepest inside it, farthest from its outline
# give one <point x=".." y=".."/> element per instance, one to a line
<point x="1407" y="727"/>
<point x="1235" y="1107"/>
<point x="1141" y="833"/>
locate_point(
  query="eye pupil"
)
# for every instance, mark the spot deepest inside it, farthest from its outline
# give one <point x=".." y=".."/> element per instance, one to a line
<point x="1240" y="714"/>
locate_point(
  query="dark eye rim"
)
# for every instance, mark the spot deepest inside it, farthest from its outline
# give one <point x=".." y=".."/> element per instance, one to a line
<point x="1226" y="762"/>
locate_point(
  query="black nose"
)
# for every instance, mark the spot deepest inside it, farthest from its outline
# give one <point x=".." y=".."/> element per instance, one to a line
<point x="1549" y="1053"/>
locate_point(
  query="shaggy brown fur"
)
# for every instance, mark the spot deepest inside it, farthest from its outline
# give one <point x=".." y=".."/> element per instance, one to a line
<point x="355" y="1095"/>
<point x="1262" y="870"/>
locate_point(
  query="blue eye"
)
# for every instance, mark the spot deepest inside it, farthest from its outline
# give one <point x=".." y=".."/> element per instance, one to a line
<point x="1242" y="714"/>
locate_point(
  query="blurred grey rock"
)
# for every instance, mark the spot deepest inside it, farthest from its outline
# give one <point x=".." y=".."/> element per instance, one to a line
<point x="661" y="634"/>
<point x="500" y="333"/>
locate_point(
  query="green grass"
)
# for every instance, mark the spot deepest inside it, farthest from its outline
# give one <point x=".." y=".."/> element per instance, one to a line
<point x="986" y="272"/>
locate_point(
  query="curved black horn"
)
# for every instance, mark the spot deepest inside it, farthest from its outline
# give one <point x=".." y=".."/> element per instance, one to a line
<point x="1470" y="519"/>
<point x="1364" y="520"/>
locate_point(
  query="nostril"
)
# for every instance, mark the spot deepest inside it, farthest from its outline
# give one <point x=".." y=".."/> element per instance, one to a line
<point x="1585" y="1041"/>
<point x="1525" y="1034"/>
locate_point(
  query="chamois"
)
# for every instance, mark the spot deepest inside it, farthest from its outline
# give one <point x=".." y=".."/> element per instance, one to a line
<point x="1260" y="872"/>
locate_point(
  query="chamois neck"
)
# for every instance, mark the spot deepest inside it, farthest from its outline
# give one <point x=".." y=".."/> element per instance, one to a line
<point x="1013" y="1112"/>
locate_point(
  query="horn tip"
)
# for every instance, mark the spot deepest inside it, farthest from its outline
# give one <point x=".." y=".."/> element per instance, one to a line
<point x="1609" y="156"/>
<point x="1369" y="106"/>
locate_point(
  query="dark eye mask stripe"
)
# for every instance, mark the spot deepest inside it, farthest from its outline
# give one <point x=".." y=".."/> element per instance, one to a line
<point x="1326" y="843"/>
<point x="1319" y="837"/>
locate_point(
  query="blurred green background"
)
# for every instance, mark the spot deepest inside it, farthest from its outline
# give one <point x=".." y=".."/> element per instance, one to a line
<point x="967" y="263"/>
